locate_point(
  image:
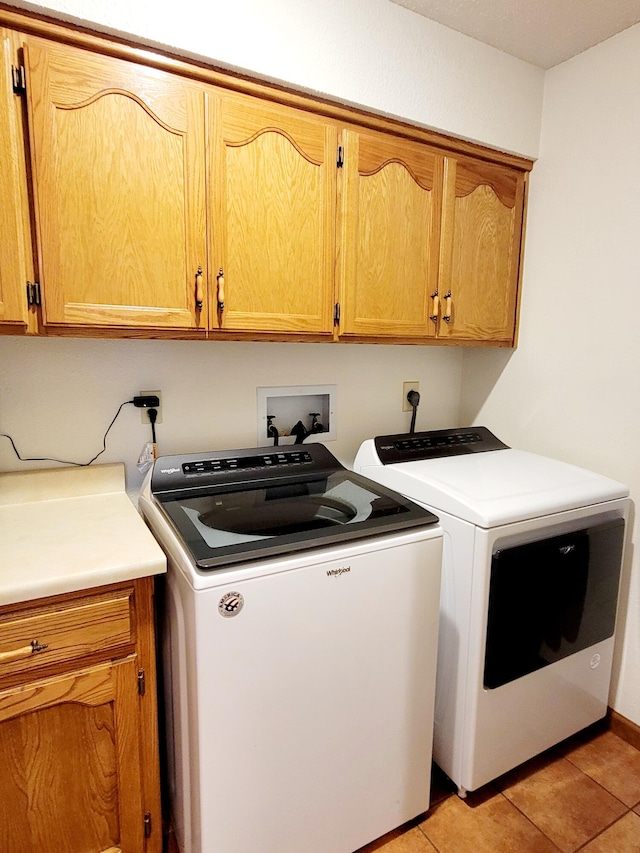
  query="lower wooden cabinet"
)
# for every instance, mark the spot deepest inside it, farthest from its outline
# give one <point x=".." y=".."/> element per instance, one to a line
<point x="78" y="736"/>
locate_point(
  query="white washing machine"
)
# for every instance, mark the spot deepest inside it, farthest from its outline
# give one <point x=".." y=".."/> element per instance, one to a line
<point x="531" y="566"/>
<point x="299" y="646"/>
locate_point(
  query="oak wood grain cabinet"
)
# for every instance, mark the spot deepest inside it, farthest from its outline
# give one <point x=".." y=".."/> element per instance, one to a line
<point x="480" y="256"/>
<point x="272" y="174"/>
<point x="171" y="199"/>
<point x="14" y="226"/>
<point x="390" y="236"/>
<point x="118" y="182"/>
<point x="78" y="723"/>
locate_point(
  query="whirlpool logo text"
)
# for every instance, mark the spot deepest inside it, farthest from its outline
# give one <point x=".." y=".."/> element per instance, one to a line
<point x="335" y="573"/>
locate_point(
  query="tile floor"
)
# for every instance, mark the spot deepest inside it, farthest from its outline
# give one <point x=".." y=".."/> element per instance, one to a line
<point x="582" y="795"/>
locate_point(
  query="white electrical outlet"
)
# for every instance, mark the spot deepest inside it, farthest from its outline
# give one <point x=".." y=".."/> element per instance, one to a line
<point x="406" y="387"/>
<point x="144" y="413"/>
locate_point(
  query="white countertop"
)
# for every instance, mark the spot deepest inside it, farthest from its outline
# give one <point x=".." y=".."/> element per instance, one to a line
<point x="68" y="529"/>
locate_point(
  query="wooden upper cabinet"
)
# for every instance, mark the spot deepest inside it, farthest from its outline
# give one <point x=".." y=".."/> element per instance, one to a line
<point x="390" y="236"/>
<point x="118" y="171"/>
<point x="14" y="243"/>
<point x="480" y="251"/>
<point x="169" y="199"/>
<point x="272" y="178"/>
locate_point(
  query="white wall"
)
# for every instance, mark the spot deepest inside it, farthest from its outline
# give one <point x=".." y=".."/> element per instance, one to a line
<point x="572" y="388"/>
<point x="368" y="52"/>
<point x="58" y="396"/>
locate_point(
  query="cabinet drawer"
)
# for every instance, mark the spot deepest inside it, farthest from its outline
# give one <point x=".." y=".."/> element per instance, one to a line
<point x="73" y="630"/>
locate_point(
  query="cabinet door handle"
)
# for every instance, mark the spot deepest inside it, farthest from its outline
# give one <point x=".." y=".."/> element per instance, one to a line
<point x="220" y="280"/>
<point x="112" y="850"/>
<point x="448" y="306"/>
<point x="199" y="293"/>
<point x="24" y="652"/>
<point x="436" y="307"/>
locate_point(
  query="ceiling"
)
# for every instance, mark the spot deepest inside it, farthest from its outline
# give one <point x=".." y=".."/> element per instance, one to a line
<point x="542" y="32"/>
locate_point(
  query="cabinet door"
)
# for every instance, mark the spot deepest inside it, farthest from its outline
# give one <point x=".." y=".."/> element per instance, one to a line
<point x="390" y="236"/>
<point x="71" y="763"/>
<point x="118" y="166"/>
<point x="13" y="236"/>
<point x="480" y="254"/>
<point x="273" y="178"/>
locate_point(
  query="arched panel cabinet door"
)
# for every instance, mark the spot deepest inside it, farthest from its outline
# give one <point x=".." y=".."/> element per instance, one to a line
<point x="14" y="234"/>
<point x="390" y="236"/>
<point x="70" y="748"/>
<point x="272" y="178"/>
<point x="118" y="164"/>
<point x="480" y="252"/>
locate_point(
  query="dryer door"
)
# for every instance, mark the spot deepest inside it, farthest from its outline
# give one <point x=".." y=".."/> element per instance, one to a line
<point x="551" y="598"/>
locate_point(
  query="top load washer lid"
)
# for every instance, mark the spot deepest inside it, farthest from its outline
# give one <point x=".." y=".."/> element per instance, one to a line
<point x="232" y="506"/>
<point x="499" y="486"/>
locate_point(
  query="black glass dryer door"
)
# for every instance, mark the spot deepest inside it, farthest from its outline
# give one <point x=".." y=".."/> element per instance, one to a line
<point x="551" y="598"/>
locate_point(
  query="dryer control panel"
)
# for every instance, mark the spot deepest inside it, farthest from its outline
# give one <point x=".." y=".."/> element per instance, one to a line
<point x="408" y="447"/>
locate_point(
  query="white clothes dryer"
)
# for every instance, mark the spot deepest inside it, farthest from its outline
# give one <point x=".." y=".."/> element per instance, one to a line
<point x="531" y="566"/>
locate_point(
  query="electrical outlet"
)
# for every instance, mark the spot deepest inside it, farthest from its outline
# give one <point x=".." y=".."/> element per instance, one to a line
<point x="144" y="413"/>
<point x="406" y="387"/>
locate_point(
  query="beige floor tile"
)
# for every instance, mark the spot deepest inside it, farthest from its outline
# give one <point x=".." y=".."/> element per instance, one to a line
<point x="486" y="822"/>
<point x="408" y="841"/>
<point x="611" y="761"/>
<point x="622" y="837"/>
<point x="567" y="805"/>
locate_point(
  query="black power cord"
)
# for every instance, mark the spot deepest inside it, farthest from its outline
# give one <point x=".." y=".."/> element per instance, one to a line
<point x="153" y="416"/>
<point x="143" y="402"/>
<point x="413" y="398"/>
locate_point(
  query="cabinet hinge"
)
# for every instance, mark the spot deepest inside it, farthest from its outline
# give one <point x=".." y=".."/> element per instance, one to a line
<point x="340" y="162"/>
<point x="142" y="682"/>
<point x="33" y="293"/>
<point x="336" y="314"/>
<point x="147" y="824"/>
<point x="19" y="79"/>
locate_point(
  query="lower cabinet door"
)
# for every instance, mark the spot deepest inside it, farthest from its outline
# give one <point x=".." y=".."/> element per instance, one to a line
<point x="70" y="753"/>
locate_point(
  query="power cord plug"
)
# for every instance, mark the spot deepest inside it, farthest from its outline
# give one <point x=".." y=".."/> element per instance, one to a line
<point x="153" y="415"/>
<point x="413" y="398"/>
